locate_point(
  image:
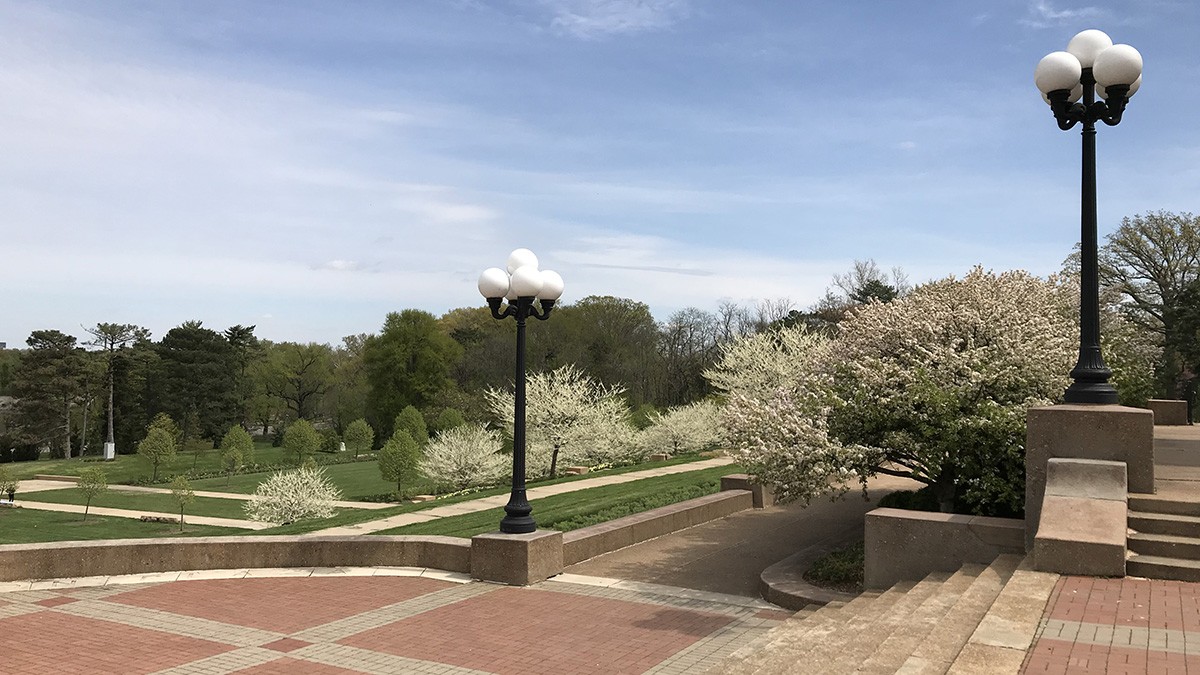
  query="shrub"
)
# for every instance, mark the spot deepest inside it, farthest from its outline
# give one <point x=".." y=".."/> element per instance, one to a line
<point x="301" y="438"/>
<point x="359" y="437"/>
<point x="465" y="456"/>
<point x="688" y="428"/>
<point x="290" y="496"/>
<point x="399" y="460"/>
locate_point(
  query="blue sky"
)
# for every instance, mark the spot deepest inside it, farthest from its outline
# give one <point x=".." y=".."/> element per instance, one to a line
<point x="309" y="167"/>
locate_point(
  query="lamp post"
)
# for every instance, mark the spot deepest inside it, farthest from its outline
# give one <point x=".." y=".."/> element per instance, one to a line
<point x="1091" y="67"/>
<point x="530" y="293"/>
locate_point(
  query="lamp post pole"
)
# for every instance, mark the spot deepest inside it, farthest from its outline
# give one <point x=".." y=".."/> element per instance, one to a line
<point x="530" y="293"/>
<point x="1091" y="65"/>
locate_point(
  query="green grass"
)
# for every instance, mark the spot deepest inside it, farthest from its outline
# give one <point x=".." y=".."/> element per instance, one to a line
<point x="355" y="480"/>
<point x="587" y="507"/>
<point x="130" y="468"/>
<point x="26" y="526"/>
<point x="354" y="516"/>
<point x="143" y="501"/>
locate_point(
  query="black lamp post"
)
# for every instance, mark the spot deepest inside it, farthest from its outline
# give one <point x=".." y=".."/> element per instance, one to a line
<point x="530" y="293"/>
<point x="1092" y="66"/>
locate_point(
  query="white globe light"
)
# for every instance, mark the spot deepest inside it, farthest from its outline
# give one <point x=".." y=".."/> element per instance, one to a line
<point x="1087" y="45"/>
<point x="493" y="283"/>
<point x="1119" y="64"/>
<point x="521" y="257"/>
<point x="1057" y="70"/>
<point x="1076" y="94"/>
<point x="1102" y="91"/>
<point x="552" y="286"/>
<point x="526" y="281"/>
<point x="511" y="295"/>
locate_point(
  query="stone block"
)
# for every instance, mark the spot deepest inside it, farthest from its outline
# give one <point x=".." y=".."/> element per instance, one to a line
<point x="422" y="498"/>
<point x="1086" y="478"/>
<point x="575" y="470"/>
<point x="905" y="545"/>
<point x="1081" y="536"/>
<point x="1103" y="432"/>
<point x="1169" y="413"/>
<point x="659" y="457"/>
<point x="763" y="495"/>
<point x="517" y="559"/>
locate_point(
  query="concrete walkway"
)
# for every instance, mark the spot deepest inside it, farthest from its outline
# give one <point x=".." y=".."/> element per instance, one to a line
<point x="126" y="513"/>
<point x="498" y="501"/>
<point x="31" y="486"/>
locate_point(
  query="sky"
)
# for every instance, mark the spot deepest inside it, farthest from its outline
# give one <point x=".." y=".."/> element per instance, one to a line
<point x="308" y="167"/>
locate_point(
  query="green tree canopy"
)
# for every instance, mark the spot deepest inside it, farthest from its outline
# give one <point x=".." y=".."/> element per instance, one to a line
<point x="301" y="438"/>
<point x="359" y="437"/>
<point x="407" y="363"/>
<point x="399" y="460"/>
<point x="157" y="447"/>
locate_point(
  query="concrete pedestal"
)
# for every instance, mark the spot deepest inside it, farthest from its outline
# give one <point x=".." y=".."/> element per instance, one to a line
<point x="1104" y="432"/>
<point x="1169" y="413"/>
<point x="1082" y="529"/>
<point x="110" y="451"/>
<point x="517" y="559"/>
<point x="764" y="495"/>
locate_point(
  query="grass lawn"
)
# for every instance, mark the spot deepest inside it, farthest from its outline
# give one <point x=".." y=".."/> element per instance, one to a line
<point x="355" y="480"/>
<point x="353" y="516"/>
<point x="26" y="526"/>
<point x="574" y="510"/>
<point x="126" y="469"/>
<point x="143" y="501"/>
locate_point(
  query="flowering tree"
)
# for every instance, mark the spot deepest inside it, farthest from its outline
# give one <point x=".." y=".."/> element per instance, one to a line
<point x="687" y="428"/>
<point x="289" y="496"/>
<point x="465" y="456"/>
<point x="571" y="414"/>
<point x="181" y="489"/>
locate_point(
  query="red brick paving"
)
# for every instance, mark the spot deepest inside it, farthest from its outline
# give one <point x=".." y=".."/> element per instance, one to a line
<point x="286" y="645"/>
<point x="284" y="605"/>
<point x="286" y="666"/>
<point x="54" y="643"/>
<point x="536" y="631"/>
<point x="55" y="602"/>
<point x="1143" y="604"/>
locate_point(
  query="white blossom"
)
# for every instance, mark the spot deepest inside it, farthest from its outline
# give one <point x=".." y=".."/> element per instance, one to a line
<point x="289" y="496"/>
<point x="465" y="456"/>
<point x="687" y="428"/>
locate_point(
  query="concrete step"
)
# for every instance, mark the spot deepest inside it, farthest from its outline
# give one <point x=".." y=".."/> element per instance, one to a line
<point x="1181" y="505"/>
<point x="1162" y="567"/>
<point x="1164" y="523"/>
<point x="904" y="638"/>
<point x="1165" y="545"/>
<point x="786" y="645"/>
<point x="860" y="636"/>
<point x="942" y="645"/>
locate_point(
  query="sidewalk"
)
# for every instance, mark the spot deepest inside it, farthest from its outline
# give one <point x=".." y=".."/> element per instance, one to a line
<point x="126" y="513"/>
<point x="30" y="486"/>
<point x="498" y="501"/>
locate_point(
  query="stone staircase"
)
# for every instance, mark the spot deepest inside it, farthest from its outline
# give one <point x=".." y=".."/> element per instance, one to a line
<point x="980" y="619"/>
<point x="1164" y="535"/>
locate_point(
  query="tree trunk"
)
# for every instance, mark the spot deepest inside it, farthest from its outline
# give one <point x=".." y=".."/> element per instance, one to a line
<point x="943" y="489"/>
<point x="67" y="429"/>
<point x="110" y="438"/>
<point x="554" y="461"/>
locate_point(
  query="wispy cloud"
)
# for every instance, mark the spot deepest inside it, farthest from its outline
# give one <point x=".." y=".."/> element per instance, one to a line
<point x="1042" y="14"/>
<point x="592" y="19"/>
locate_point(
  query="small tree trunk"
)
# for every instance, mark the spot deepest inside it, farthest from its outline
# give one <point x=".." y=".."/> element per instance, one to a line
<point x="181" y="517"/>
<point x="87" y="505"/>
<point x="554" y="461"/>
<point x="943" y="489"/>
<point x="67" y="429"/>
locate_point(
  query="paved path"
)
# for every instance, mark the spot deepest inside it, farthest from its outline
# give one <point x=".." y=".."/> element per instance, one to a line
<point x="385" y="620"/>
<point x="498" y="501"/>
<point x="126" y="513"/>
<point x="1119" y="627"/>
<point x="30" y="486"/>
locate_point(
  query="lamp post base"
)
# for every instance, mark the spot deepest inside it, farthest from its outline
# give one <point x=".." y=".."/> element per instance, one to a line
<point x="1091" y="392"/>
<point x="517" y="524"/>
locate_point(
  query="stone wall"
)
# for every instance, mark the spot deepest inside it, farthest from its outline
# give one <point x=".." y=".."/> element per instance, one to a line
<point x="905" y="545"/>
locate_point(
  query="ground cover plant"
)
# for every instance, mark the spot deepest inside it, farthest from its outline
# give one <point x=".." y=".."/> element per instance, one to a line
<point x="26" y="526"/>
<point x="574" y="510"/>
<point x="840" y="570"/>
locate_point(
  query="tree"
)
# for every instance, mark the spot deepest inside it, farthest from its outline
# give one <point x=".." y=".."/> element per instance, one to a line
<point x="181" y="489"/>
<point x="246" y="350"/>
<point x="46" y="383"/>
<point x="347" y="399"/>
<point x="613" y="340"/>
<point x="298" y="375"/>
<point x="399" y="460"/>
<point x="411" y="421"/>
<point x="237" y="450"/>
<point x="688" y="345"/>
<point x="198" y="375"/>
<point x="465" y="456"/>
<point x="1151" y="260"/>
<point x="448" y="419"/>
<point x="8" y="483"/>
<point x="359" y="437"/>
<point x="301" y="438"/>
<point x="688" y="428"/>
<point x="569" y="412"/>
<point x="110" y="338"/>
<point x="92" y="483"/>
<point x="407" y="363"/>
<point x="157" y="447"/>
<point x="933" y="387"/>
<point x="291" y="496"/>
